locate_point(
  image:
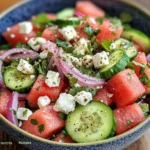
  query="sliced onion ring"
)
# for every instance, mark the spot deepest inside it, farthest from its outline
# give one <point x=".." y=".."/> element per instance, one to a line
<point x="148" y="58"/>
<point x="12" y="106"/>
<point x="79" y="14"/>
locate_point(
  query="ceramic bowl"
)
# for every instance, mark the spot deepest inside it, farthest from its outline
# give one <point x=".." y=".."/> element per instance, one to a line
<point x="23" y="11"/>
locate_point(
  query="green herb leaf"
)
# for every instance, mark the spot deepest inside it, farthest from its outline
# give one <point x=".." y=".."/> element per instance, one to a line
<point x="34" y="121"/>
<point x="72" y="80"/>
<point x="100" y="20"/>
<point x="144" y="107"/>
<point x="21" y="45"/>
<point x="65" y="45"/>
<point x="74" y="90"/>
<point x="62" y="116"/>
<point x="129" y="122"/>
<point x="41" y="128"/>
<point x="106" y="44"/>
<point x="113" y="33"/>
<point x="115" y="21"/>
<point x="90" y="31"/>
<point x="145" y="80"/>
<point x="5" y="47"/>
<point x="148" y="64"/>
<point x="25" y="112"/>
<point x="125" y="17"/>
<point x="127" y="26"/>
<point x="38" y="33"/>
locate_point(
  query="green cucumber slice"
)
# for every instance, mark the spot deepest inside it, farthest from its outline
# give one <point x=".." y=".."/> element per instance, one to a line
<point x="93" y="122"/>
<point x="118" y="60"/>
<point x="139" y="37"/>
<point x="65" y="13"/>
<point x="16" y="80"/>
<point x="125" y="45"/>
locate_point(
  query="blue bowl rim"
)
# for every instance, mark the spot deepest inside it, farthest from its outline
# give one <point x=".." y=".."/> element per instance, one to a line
<point x="29" y="135"/>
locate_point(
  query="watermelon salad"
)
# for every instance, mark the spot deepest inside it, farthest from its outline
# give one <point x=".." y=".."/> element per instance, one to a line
<point x="76" y="76"/>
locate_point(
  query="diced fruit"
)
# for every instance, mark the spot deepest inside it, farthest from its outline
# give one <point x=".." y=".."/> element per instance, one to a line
<point x="21" y="103"/>
<point x="13" y="36"/>
<point x="125" y="87"/>
<point x="43" y="122"/>
<point x="52" y="33"/>
<point x="104" y="96"/>
<point x="41" y="89"/>
<point x="140" y="58"/>
<point x="109" y="31"/>
<point x="89" y="21"/>
<point x="63" y="138"/>
<point x="89" y="9"/>
<point x="4" y="98"/>
<point x="128" y="117"/>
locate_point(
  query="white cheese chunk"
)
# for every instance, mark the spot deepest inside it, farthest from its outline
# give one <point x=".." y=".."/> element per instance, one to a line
<point x="35" y="43"/>
<point x="72" y="59"/>
<point x="43" y="101"/>
<point x="25" y="67"/>
<point x="52" y="79"/>
<point x="65" y="103"/>
<point x="25" y="27"/>
<point x="87" y="61"/>
<point x="68" y="32"/>
<point x="100" y="60"/>
<point x="83" y="97"/>
<point x="23" y="113"/>
<point x="43" y="54"/>
<point x="81" y="47"/>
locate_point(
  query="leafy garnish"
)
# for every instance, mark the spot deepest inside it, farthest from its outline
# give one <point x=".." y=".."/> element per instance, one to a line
<point x="21" y="45"/>
<point x="106" y="44"/>
<point x="145" y="80"/>
<point x="65" y="45"/>
<point x="145" y="109"/>
<point x="115" y="21"/>
<point x="100" y="20"/>
<point x="41" y="128"/>
<point x="90" y="31"/>
<point x="41" y="20"/>
<point x="113" y="33"/>
<point x="72" y="80"/>
<point x="5" y="47"/>
<point x="129" y="122"/>
<point x="38" y="33"/>
<point x="62" y="116"/>
<point x="34" y="121"/>
<point x="74" y="90"/>
<point x="25" y="112"/>
<point x="148" y="65"/>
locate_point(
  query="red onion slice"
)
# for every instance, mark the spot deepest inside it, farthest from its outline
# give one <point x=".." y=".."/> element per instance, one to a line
<point x="12" y="106"/>
<point x="148" y="58"/>
<point x="79" y="14"/>
<point x="22" y="96"/>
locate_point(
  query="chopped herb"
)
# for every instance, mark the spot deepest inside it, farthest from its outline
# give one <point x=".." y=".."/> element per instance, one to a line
<point x="100" y="20"/>
<point x="34" y="121"/>
<point x="72" y="80"/>
<point x="113" y="33"/>
<point x="5" y="47"/>
<point x="127" y="26"/>
<point x="41" y="128"/>
<point x="148" y="64"/>
<point x="129" y="122"/>
<point x="106" y="44"/>
<point x="65" y="45"/>
<point x="37" y="43"/>
<point x="38" y="34"/>
<point x="145" y="109"/>
<point x="25" y="112"/>
<point x="62" y="116"/>
<point x="145" y="80"/>
<point x="115" y="21"/>
<point x="74" y="90"/>
<point x="21" y="45"/>
<point x="90" y="31"/>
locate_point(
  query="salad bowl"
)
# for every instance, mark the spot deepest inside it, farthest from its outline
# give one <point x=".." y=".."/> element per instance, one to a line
<point x="23" y="11"/>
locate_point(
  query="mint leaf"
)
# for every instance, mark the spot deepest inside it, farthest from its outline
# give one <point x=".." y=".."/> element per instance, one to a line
<point x="5" y="47"/>
<point x="25" y="112"/>
<point x="34" y="121"/>
<point x="41" y="128"/>
<point x="90" y="31"/>
<point x="145" y="80"/>
<point x="106" y="44"/>
<point x="100" y="20"/>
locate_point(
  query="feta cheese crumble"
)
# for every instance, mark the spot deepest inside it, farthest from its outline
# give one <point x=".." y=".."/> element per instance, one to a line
<point x="83" y="97"/>
<point x="12" y="36"/>
<point x="52" y="79"/>
<point x="87" y="61"/>
<point x="100" y="60"/>
<point x="23" y="113"/>
<point x="35" y="43"/>
<point x="25" y="67"/>
<point x="68" y="32"/>
<point x="43" y="54"/>
<point x="25" y="27"/>
<point x="43" y="101"/>
<point x="65" y="103"/>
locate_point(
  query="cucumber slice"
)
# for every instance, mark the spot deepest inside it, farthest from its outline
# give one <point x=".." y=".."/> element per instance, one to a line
<point x="65" y="13"/>
<point x="125" y="45"/>
<point x="139" y="37"/>
<point x="118" y="60"/>
<point x="16" y="80"/>
<point x="93" y="122"/>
